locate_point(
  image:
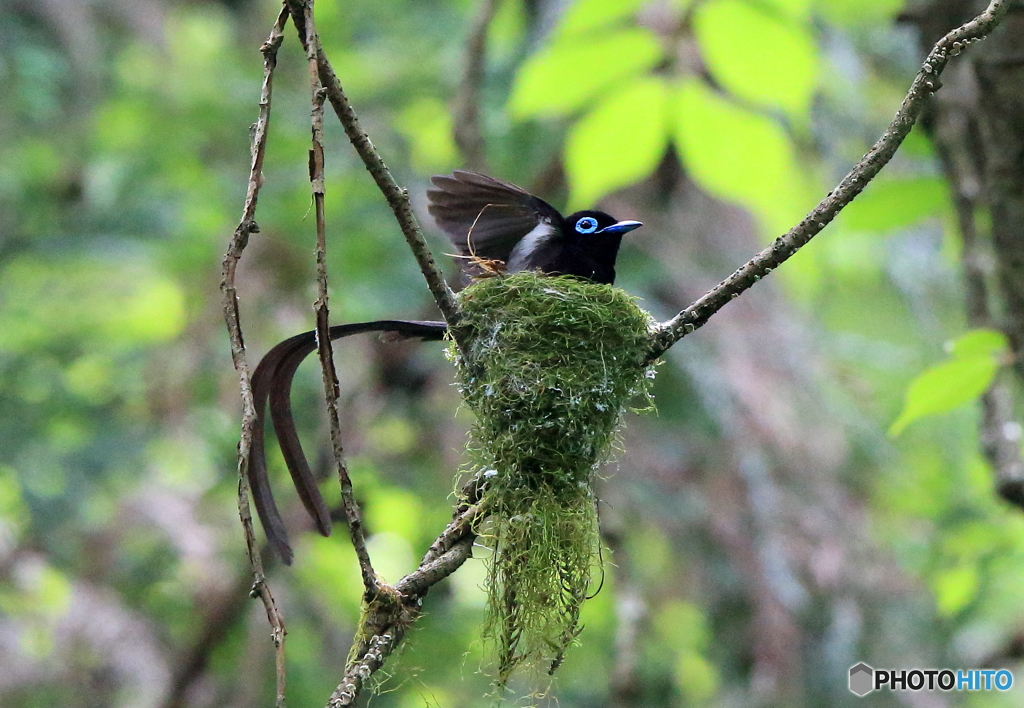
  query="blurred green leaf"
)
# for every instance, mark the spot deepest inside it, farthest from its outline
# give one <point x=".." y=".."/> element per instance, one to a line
<point x="889" y="204"/>
<point x="328" y="570"/>
<point x="955" y="588"/>
<point x="587" y="15"/>
<point x="14" y="513"/>
<point x="945" y="386"/>
<point x="862" y="13"/>
<point x="392" y="555"/>
<point x="979" y="342"/>
<point x="757" y="56"/>
<point x="792" y="8"/>
<point x="507" y="27"/>
<point x="683" y="626"/>
<point x="565" y="77"/>
<point x="395" y="510"/>
<point x="122" y="125"/>
<point x="738" y="155"/>
<point x="91" y="377"/>
<point x="426" y="124"/>
<point x="111" y="305"/>
<point x="697" y="677"/>
<point x="617" y="143"/>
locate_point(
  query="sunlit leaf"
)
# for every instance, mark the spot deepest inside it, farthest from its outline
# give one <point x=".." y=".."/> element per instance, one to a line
<point x="697" y="678"/>
<point x="955" y="589"/>
<point x="862" y="13"/>
<point x="792" y="8"/>
<point x="738" y="155"/>
<point x="979" y="342"/>
<point x="564" y="77"/>
<point x="586" y="15"/>
<point x="945" y="386"/>
<point x="896" y="203"/>
<point x="617" y="143"/>
<point x="758" y="56"/>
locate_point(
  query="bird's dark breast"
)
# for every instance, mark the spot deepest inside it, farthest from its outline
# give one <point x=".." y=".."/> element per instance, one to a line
<point x="591" y="257"/>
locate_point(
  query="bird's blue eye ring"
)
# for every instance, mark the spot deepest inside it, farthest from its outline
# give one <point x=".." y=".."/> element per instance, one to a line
<point x="586" y="225"/>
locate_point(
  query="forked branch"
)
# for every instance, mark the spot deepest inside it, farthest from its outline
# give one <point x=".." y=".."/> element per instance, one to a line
<point x="392" y="609"/>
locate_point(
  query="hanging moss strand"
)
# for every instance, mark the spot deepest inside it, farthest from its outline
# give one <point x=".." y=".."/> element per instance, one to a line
<point x="550" y="366"/>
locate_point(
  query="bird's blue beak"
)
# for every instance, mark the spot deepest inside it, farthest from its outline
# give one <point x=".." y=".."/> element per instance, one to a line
<point x="620" y="227"/>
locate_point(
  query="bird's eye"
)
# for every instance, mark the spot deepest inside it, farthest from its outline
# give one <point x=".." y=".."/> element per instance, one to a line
<point x="586" y="225"/>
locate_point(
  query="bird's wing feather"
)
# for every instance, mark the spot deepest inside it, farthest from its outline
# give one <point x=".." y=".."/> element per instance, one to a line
<point x="484" y="216"/>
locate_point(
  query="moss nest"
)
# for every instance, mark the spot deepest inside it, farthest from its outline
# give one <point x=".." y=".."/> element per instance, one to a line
<point x="550" y="365"/>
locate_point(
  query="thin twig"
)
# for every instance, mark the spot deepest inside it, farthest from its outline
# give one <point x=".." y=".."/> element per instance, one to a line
<point x="353" y="516"/>
<point x="397" y="197"/>
<point x="239" y="240"/>
<point x="925" y="83"/>
<point x="468" y="133"/>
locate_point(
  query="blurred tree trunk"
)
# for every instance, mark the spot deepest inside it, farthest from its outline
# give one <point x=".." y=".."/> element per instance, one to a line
<point x="977" y="123"/>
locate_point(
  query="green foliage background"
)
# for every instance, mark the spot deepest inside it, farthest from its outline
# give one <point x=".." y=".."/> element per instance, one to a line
<point x="770" y="530"/>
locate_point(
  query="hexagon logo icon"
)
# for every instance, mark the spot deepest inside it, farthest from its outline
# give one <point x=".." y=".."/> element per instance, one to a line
<point x="861" y="679"/>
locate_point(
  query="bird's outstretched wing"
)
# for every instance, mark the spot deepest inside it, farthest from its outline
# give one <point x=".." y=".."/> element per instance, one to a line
<point x="486" y="217"/>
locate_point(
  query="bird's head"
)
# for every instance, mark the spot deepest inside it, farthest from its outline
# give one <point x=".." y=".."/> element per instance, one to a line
<point x="598" y="223"/>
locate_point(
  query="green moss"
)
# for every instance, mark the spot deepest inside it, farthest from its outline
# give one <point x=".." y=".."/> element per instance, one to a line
<point x="549" y="367"/>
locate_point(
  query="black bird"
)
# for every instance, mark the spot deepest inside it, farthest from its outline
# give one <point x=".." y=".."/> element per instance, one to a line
<point x="497" y="221"/>
<point x="490" y="222"/>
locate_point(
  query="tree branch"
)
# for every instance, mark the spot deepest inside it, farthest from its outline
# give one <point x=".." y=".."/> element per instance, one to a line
<point x="925" y="83"/>
<point x="389" y="611"/>
<point x="353" y="516"/>
<point x="387" y="616"/>
<point x="239" y="240"/>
